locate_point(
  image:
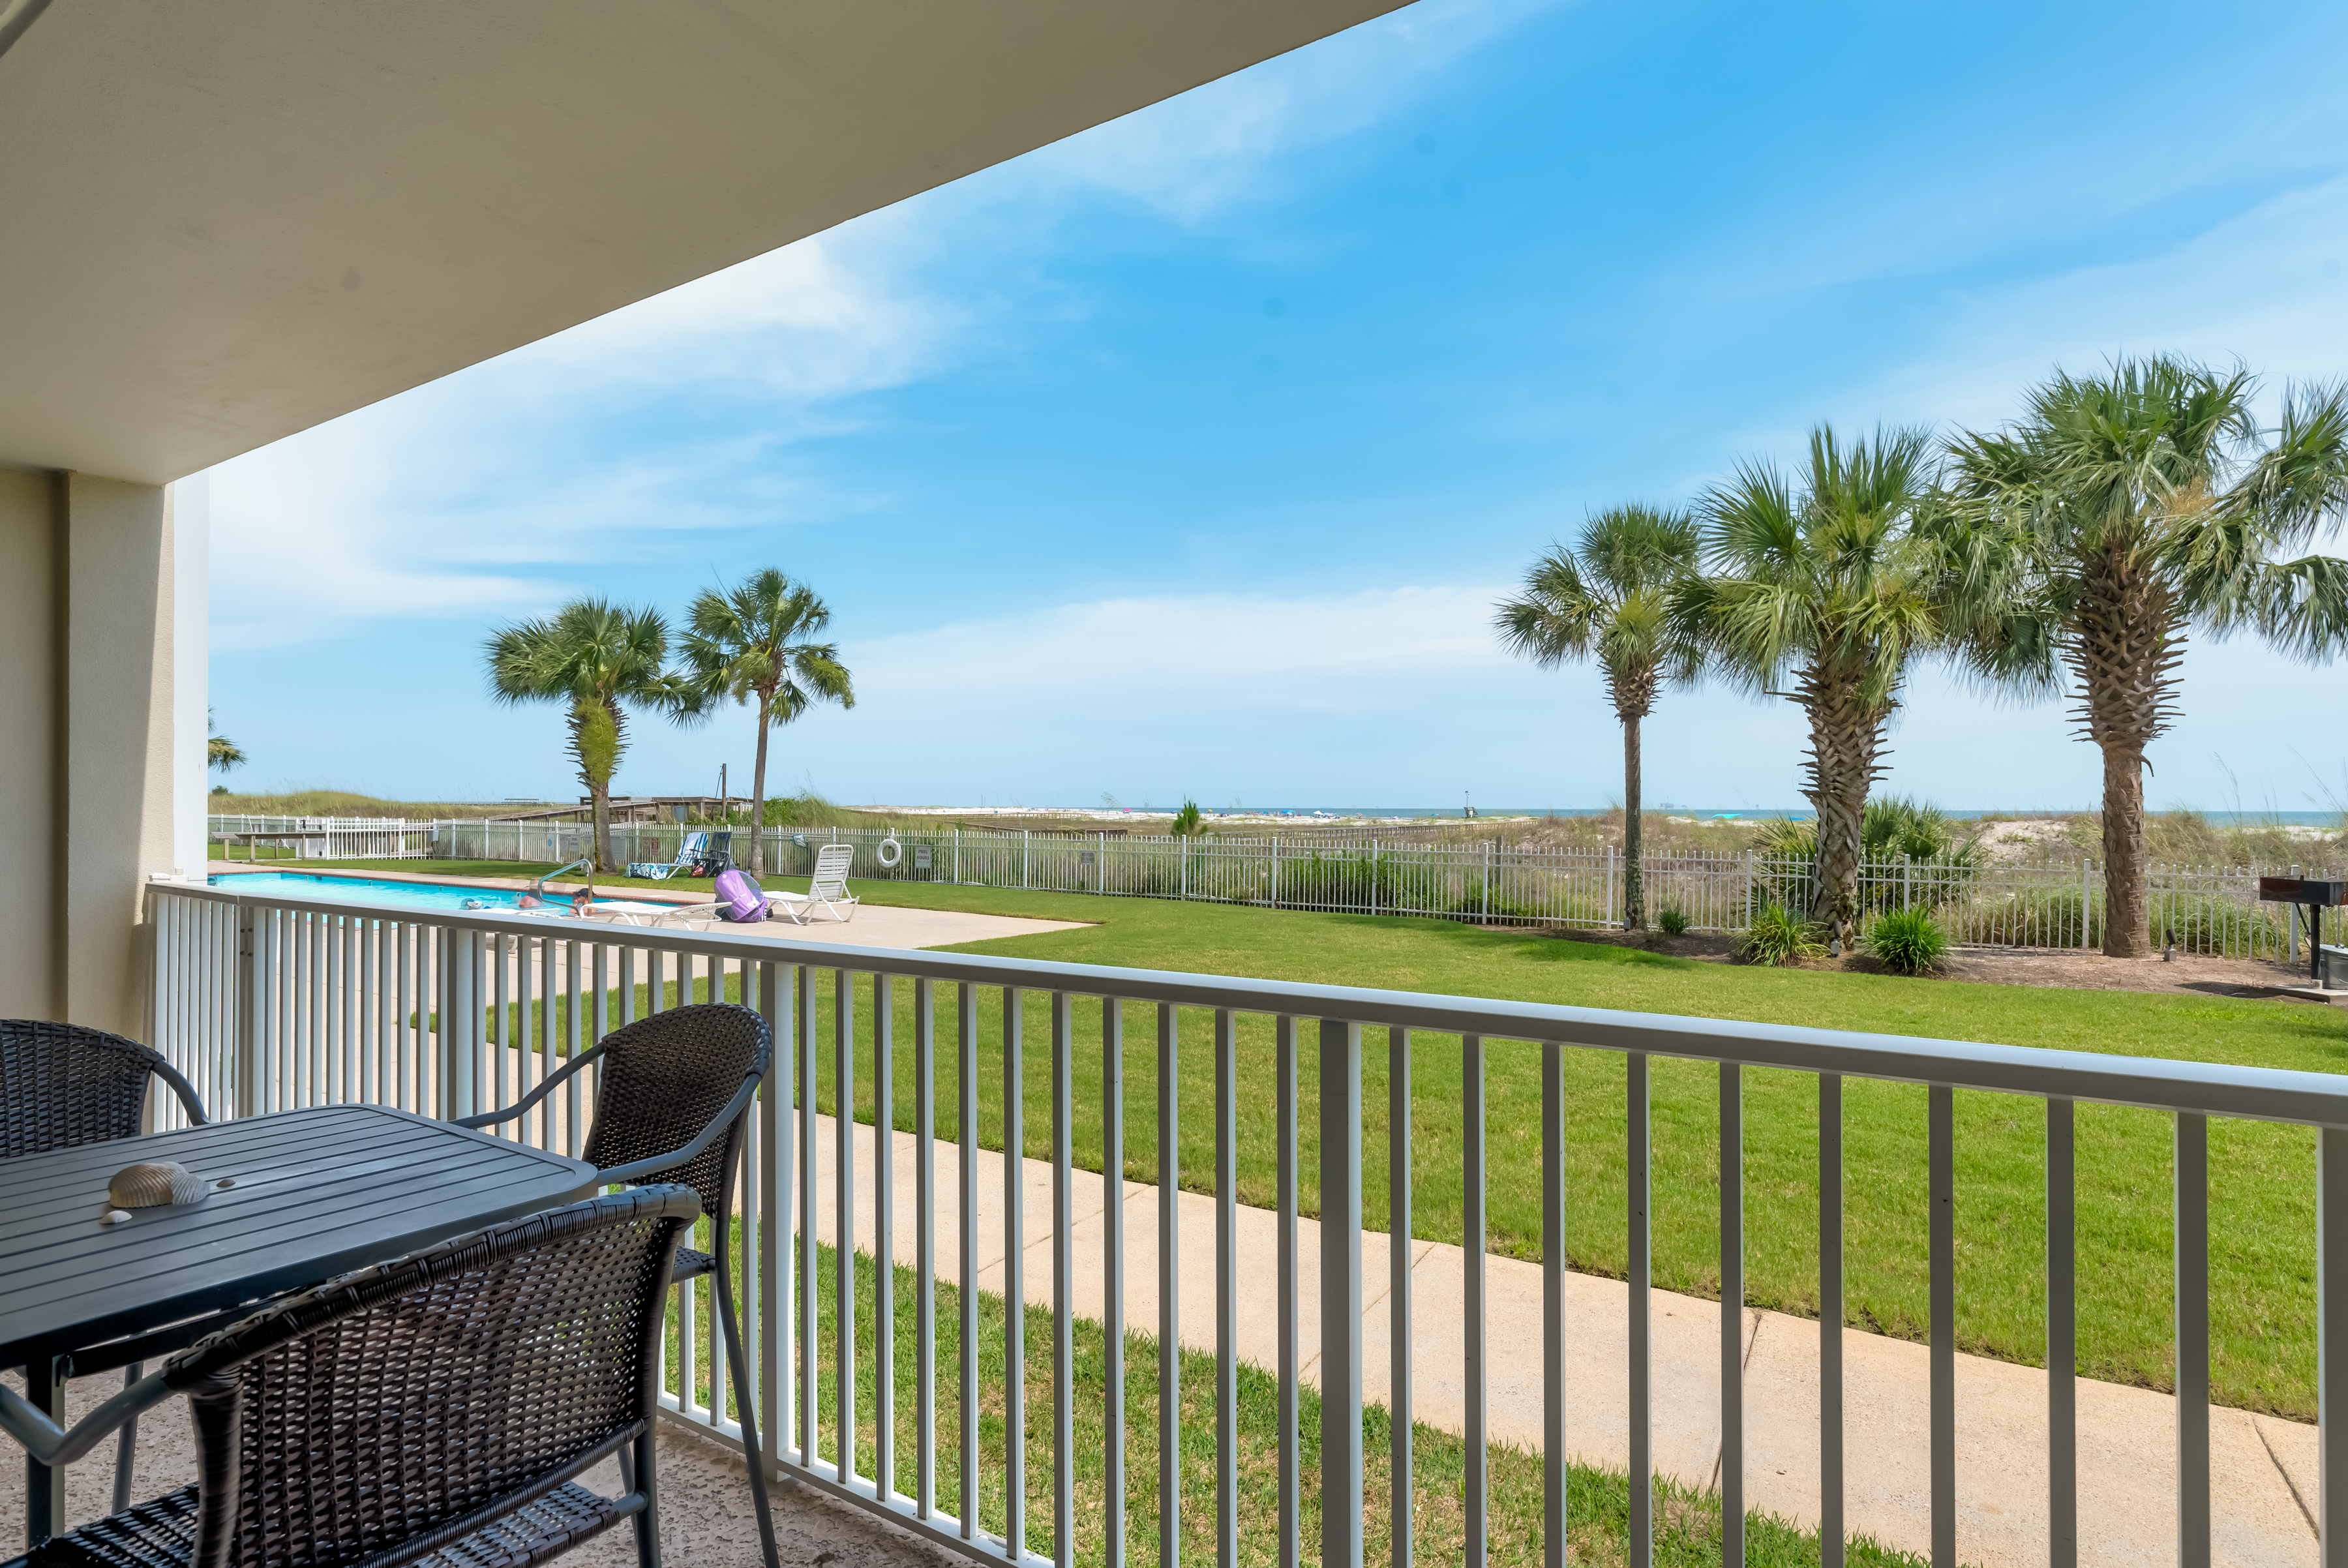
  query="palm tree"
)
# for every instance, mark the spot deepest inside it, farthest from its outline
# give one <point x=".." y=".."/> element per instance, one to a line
<point x="755" y="645"/>
<point x="2147" y="502"/>
<point x="592" y="657"/>
<point x="1609" y="598"/>
<point x="220" y="751"/>
<point x="1831" y="585"/>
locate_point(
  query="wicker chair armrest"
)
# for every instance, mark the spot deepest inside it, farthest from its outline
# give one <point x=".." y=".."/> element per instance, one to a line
<point x="189" y="1098"/>
<point x="490" y="1117"/>
<point x="637" y="1169"/>
<point x="53" y="1445"/>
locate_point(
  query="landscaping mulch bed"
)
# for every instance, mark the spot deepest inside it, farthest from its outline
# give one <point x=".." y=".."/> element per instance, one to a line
<point x="2067" y="970"/>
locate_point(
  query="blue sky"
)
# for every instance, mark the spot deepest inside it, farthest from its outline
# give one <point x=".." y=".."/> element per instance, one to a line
<point x="1188" y="456"/>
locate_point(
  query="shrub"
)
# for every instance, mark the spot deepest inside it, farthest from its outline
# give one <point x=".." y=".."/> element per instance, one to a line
<point x="1672" y="920"/>
<point x="1908" y="941"/>
<point x="1776" y="934"/>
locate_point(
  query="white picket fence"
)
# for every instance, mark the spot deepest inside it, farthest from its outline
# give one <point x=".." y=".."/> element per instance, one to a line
<point x="322" y="838"/>
<point x="2210" y="910"/>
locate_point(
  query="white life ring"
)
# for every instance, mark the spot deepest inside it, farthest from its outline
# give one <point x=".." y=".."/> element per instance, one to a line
<point x="888" y="851"/>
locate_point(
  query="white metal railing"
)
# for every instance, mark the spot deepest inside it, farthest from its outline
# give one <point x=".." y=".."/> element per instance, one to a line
<point x="326" y="838"/>
<point x="268" y="1002"/>
<point x="2210" y="910"/>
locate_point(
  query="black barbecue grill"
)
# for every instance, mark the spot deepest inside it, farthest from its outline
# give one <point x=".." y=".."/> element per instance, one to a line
<point x="2314" y="895"/>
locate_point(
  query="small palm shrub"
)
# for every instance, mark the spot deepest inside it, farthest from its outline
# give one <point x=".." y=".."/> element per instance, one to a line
<point x="1672" y="919"/>
<point x="1776" y="934"/>
<point x="1908" y="941"/>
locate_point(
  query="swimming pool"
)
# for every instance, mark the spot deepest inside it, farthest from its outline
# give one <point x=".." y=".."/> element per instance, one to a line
<point x="368" y="890"/>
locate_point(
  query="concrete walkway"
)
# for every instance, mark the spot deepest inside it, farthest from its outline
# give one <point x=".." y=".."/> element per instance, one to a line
<point x="2263" y="1471"/>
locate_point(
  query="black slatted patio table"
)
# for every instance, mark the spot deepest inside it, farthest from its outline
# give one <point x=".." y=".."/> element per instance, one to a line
<point x="317" y="1192"/>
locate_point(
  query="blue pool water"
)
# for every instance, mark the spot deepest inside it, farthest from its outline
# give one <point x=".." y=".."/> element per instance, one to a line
<point x="368" y="890"/>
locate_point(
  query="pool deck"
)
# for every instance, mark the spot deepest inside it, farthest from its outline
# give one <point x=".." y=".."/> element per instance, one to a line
<point x="874" y="926"/>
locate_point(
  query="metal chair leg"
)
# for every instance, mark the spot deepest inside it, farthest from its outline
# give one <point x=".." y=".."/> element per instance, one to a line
<point x="126" y="1446"/>
<point x="647" y="1470"/>
<point x="739" y="1364"/>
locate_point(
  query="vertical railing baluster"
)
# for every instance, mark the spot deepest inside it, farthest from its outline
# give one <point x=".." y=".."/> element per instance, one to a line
<point x="925" y="1248"/>
<point x="1399" y="1259"/>
<point x="810" y="1277"/>
<point x="500" y="1033"/>
<point x="1553" y="1450"/>
<point x="413" y="1094"/>
<point x="550" y="1042"/>
<point x="1284" y="1180"/>
<point x="1015" y="1276"/>
<point x="1227" y="1309"/>
<point x="884" y="1242"/>
<point x="2332" y="1346"/>
<point x="1732" y="1314"/>
<point x="1113" y="1279"/>
<point x="966" y="1253"/>
<point x="370" y="1012"/>
<point x="1063" y="1281"/>
<point x="388" y="1038"/>
<point x="1472" y="1241"/>
<point x="528" y="1067"/>
<point x="1169" y="1288"/>
<point x="353" y="1062"/>
<point x="2061" y="1342"/>
<point x="1941" y="1137"/>
<point x="688" y="1347"/>
<point x="779" y="1161"/>
<point x="314" y="978"/>
<point x="843" y="1223"/>
<point x="1831" y="1529"/>
<point x="572" y="1045"/>
<point x="1341" y="1294"/>
<point x="1642" y="1331"/>
<point x="2192" y="1306"/>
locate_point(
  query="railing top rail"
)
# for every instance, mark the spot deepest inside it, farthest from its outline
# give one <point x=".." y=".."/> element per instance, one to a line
<point x="2263" y="1094"/>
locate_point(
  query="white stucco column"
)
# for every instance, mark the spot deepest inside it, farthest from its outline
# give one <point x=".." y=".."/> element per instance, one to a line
<point x="191" y="507"/>
<point x="99" y="739"/>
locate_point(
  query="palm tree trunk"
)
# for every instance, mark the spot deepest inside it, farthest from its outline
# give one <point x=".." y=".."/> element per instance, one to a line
<point x="1844" y="739"/>
<point x="1634" y="887"/>
<point x="2126" y="640"/>
<point x="600" y="790"/>
<point x="759" y="795"/>
<point x="2128" y="911"/>
<point x="600" y="793"/>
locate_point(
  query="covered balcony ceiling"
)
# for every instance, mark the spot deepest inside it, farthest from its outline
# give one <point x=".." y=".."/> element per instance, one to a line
<point x="228" y="222"/>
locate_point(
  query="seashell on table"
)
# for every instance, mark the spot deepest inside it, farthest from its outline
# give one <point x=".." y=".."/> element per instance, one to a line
<point x="156" y="1182"/>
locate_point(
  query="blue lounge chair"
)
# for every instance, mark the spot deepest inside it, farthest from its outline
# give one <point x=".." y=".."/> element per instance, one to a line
<point x="689" y="854"/>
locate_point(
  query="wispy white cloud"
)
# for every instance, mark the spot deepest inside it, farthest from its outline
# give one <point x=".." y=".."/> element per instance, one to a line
<point x="1318" y="653"/>
<point x="2265" y="284"/>
<point x="486" y="490"/>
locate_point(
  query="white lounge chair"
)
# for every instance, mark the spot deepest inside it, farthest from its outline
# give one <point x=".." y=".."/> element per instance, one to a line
<point x="827" y="889"/>
<point x="690" y="851"/>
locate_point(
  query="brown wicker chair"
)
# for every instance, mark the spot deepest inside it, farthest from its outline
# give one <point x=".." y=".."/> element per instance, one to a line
<point x="61" y="1084"/>
<point x="673" y="1101"/>
<point x="441" y="1406"/>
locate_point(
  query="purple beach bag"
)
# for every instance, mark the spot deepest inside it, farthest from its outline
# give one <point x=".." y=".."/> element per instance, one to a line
<point x="743" y="898"/>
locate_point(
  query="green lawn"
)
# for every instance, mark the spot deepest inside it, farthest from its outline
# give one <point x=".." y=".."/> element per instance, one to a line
<point x="2262" y="1197"/>
<point x="1597" y="1502"/>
